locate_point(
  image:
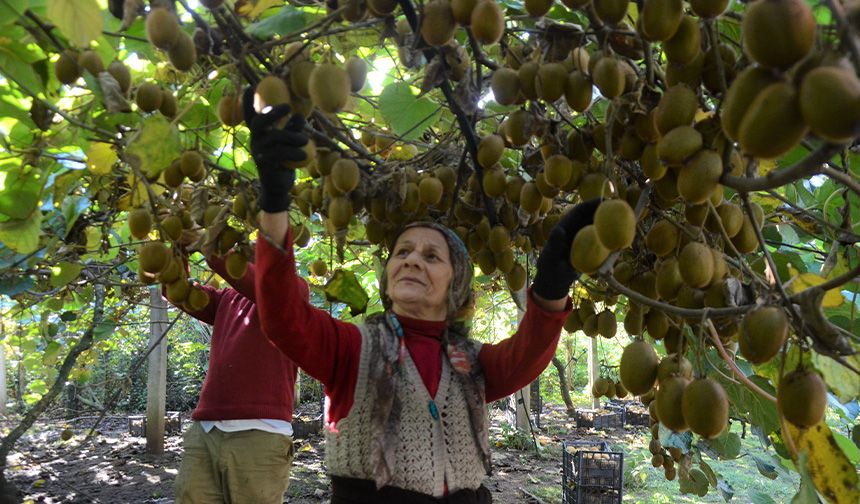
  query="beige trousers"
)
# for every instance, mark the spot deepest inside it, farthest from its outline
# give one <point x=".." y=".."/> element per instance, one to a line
<point x="244" y="467"/>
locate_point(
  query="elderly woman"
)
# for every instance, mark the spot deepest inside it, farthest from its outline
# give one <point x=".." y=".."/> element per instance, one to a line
<point x="406" y="390"/>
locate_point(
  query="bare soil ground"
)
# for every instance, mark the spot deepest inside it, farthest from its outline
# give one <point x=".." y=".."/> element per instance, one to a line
<point x="114" y="467"/>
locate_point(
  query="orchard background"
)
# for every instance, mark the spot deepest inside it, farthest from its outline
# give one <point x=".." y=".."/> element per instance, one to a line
<point x="722" y="135"/>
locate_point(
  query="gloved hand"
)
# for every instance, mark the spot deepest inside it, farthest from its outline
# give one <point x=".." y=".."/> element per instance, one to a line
<point x="271" y="147"/>
<point x="555" y="274"/>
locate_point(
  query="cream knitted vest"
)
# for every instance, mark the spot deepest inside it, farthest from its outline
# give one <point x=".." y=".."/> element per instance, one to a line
<point x="430" y="452"/>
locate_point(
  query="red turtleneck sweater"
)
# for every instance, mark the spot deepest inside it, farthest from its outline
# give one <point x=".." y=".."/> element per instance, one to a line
<point x="328" y="349"/>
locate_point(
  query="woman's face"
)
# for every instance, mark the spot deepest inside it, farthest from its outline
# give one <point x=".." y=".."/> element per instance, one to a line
<point x="419" y="273"/>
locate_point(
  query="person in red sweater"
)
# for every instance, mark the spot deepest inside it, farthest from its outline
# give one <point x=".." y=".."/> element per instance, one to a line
<point x="239" y="448"/>
<point x="406" y="390"/>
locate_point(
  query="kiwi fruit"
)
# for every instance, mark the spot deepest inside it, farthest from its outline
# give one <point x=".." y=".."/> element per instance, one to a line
<point x="430" y="191"/>
<point x="463" y="10"/>
<point x="668" y="399"/>
<point x="677" y="107"/>
<point x="345" y="175"/>
<point x="172" y="226"/>
<point x="381" y="8"/>
<point x="437" y="23"/>
<point x="764" y="331"/>
<point x="487" y="22"/>
<point x="153" y="256"/>
<point x="300" y="75"/>
<point x="182" y="53"/>
<point x="657" y="324"/>
<point x="91" y="62"/>
<point x="731" y="217"/>
<point x="610" y="11"/>
<point x="660" y="19"/>
<point x="673" y="365"/>
<point x="490" y="150"/>
<point x="557" y="170"/>
<point x="745" y="241"/>
<point x="230" y="110"/>
<point x="662" y="238"/>
<point x="740" y="96"/>
<point x="773" y="125"/>
<point x="178" y="291"/>
<point x="356" y="68"/>
<point x="505" y="84"/>
<point x="550" y="81"/>
<point x="696" y="264"/>
<point x="169" y="107"/>
<point x="607" y="325"/>
<point x="139" y="223"/>
<point x="66" y="67"/>
<point x="699" y="176"/>
<point x="149" y="97"/>
<point x="120" y="73"/>
<point x="329" y="87"/>
<point x="318" y="268"/>
<point x="340" y="211"/>
<point x="802" y="398"/>
<point x="494" y="182"/>
<point x="198" y="299"/>
<point x="690" y="73"/>
<point x="162" y="28"/>
<point x="705" y="407"/>
<point x="173" y="175"/>
<point x="527" y="74"/>
<point x="578" y="91"/>
<point x="651" y="165"/>
<point x="236" y="265"/>
<point x="587" y="253"/>
<point x="685" y="45"/>
<point x="191" y="163"/>
<point x="538" y="8"/>
<point x="608" y="76"/>
<point x="678" y="145"/>
<point x="708" y="9"/>
<point x="830" y="103"/>
<point x="271" y="91"/>
<point x="778" y="33"/>
<point x="519" y="129"/>
<point x="638" y="367"/>
<point x="615" y="223"/>
<point x="530" y="198"/>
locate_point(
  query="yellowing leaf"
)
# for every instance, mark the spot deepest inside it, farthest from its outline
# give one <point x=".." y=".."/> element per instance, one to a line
<point x="154" y="147"/>
<point x="262" y="5"/>
<point x="94" y="238"/>
<point x="832" y="473"/>
<point x="842" y="381"/>
<point x="22" y="235"/>
<point x="100" y="158"/>
<point x="79" y="20"/>
<point x="803" y="281"/>
<point x="765" y="166"/>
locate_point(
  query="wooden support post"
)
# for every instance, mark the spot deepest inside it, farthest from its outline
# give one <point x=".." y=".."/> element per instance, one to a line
<point x="522" y="397"/>
<point x="156" y="381"/>
<point x="593" y="371"/>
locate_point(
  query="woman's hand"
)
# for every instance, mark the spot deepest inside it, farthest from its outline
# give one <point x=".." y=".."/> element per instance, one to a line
<point x="271" y="147"/>
<point x="555" y="274"/>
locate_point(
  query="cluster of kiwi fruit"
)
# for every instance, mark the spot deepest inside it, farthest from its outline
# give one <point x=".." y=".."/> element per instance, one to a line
<point x="608" y="388"/>
<point x="589" y="320"/>
<point x="164" y="32"/>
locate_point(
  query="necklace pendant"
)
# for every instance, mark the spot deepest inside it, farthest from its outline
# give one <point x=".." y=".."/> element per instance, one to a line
<point x="434" y="411"/>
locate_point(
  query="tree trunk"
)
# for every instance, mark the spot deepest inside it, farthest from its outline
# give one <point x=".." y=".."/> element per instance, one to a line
<point x="156" y="382"/>
<point x="563" y="385"/>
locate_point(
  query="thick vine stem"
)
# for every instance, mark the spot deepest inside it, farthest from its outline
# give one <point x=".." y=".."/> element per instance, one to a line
<point x="715" y="338"/>
<point x="463" y="121"/>
<point x="692" y="313"/>
<point x="810" y="165"/>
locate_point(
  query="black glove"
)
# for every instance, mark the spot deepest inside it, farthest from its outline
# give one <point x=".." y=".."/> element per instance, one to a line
<point x="555" y="274"/>
<point x="271" y="147"/>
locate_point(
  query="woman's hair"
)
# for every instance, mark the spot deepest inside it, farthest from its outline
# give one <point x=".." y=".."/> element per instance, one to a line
<point x="460" y="293"/>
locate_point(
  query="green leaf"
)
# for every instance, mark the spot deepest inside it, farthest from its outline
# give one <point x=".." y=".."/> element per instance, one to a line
<point x="726" y="447"/>
<point x="344" y="287"/>
<point x="842" y="381"/>
<point x="806" y="493"/>
<point x="851" y="450"/>
<point x="765" y="468"/>
<point x="406" y="114"/>
<point x="20" y="188"/>
<point x="155" y="146"/>
<point x="749" y="405"/>
<point x="288" y="20"/>
<point x="22" y="235"/>
<point x="727" y="491"/>
<point x="68" y="316"/>
<point x="79" y="20"/>
<point x="761" y="498"/>
<point x="14" y="285"/>
<point x="680" y="440"/>
<point x="11" y="10"/>
<point x="17" y="60"/>
<point x="73" y="207"/>
<point x="104" y="330"/>
<point x="51" y="353"/>
<point x="65" y="272"/>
